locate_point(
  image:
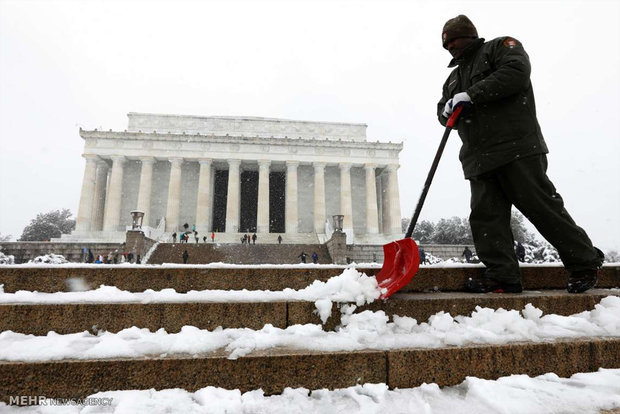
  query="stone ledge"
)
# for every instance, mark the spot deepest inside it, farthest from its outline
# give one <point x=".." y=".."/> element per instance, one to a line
<point x="114" y="317"/>
<point x="185" y="278"/>
<point x="271" y="371"/>
<point x="450" y="366"/>
<point x="421" y="306"/>
<point x="279" y="368"/>
<point x="39" y="319"/>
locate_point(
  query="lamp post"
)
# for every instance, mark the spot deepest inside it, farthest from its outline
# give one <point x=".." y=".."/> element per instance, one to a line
<point x="136" y="219"/>
<point x="338" y="220"/>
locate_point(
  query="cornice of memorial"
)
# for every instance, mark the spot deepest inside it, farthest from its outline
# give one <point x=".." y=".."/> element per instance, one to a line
<point x="228" y="139"/>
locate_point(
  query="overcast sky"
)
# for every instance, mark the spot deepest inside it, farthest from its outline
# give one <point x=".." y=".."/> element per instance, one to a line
<point x="71" y="64"/>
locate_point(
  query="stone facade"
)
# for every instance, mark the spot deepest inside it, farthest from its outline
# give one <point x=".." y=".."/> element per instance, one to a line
<point x="236" y="175"/>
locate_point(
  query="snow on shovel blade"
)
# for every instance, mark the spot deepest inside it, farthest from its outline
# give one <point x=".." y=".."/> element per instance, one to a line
<point x="400" y="264"/>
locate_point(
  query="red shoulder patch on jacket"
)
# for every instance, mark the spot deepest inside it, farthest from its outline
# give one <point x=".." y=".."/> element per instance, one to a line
<point x="509" y="42"/>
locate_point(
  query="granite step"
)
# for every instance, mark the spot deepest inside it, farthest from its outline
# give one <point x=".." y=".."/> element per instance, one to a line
<point x="205" y="253"/>
<point x="276" y="369"/>
<point x="39" y="319"/>
<point x="185" y="278"/>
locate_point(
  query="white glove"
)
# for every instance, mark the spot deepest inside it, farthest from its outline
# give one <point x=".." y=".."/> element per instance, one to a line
<point x="460" y="98"/>
<point x="447" y="110"/>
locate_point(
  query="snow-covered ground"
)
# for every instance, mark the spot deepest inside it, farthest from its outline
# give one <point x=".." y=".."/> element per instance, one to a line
<point x="586" y="393"/>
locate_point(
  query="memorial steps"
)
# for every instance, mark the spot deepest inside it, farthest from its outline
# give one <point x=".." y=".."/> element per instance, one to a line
<point x="431" y="291"/>
<point x="204" y="253"/>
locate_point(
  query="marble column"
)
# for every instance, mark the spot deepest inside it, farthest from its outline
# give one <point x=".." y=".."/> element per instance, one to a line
<point x="203" y="204"/>
<point x="174" y="195"/>
<point x="290" y="206"/>
<point x="144" y="192"/>
<point x="233" y="196"/>
<point x="101" y="184"/>
<point x="112" y="215"/>
<point x="319" y="197"/>
<point x="395" y="226"/>
<point x="372" y="216"/>
<point x="262" y="214"/>
<point x="346" y="203"/>
<point x="85" y="208"/>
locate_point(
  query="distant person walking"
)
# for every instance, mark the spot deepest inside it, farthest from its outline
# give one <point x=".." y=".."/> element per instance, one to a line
<point x="212" y="237"/>
<point x="468" y="254"/>
<point x="185" y="257"/>
<point x="315" y="258"/>
<point x="279" y="239"/>
<point x="254" y="238"/>
<point x="196" y="236"/>
<point x="303" y="256"/>
<point x="204" y="239"/>
<point x="174" y="237"/>
<point x="422" y="256"/>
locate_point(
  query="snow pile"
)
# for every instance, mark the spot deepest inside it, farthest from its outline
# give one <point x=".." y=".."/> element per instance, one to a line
<point x="349" y="287"/>
<point x="365" y="330"/>
<point x="49" y="258"/>
<point x="473" y="259"/>
<point x="584" y="393"/>
<point x="4" y="259"/>
<point x="430" y="259"/>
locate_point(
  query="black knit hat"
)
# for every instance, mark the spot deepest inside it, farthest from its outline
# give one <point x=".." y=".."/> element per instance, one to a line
<point x="460" y="26"/>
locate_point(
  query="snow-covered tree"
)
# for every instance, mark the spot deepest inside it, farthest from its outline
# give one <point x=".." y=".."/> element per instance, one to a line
<point x="454" y="230"/>
<point x="423" y="231"/>
<point x="5" y="237"/>
<point x="612" y="256"/>
<point x="519" y="231"/>
<point x="48" y="225"/>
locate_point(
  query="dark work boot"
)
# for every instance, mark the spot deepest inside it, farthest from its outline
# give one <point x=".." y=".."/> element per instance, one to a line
<point x="582" y="280"/>
<point x="485" y="285"/>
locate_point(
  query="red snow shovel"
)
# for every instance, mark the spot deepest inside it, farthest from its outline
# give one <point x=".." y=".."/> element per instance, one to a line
<point x="401" y="257"/>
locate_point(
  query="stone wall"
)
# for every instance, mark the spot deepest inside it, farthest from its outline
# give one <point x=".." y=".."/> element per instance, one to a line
<point x="332" y="251"/>
<point x="25" y="251"/>
<point x="374" y="253"/>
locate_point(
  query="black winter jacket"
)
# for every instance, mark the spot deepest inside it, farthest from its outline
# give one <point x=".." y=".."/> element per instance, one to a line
<point x="501" y="125"/>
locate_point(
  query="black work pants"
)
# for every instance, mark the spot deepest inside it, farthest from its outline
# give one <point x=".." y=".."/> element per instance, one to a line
<point x="524" y="184"/>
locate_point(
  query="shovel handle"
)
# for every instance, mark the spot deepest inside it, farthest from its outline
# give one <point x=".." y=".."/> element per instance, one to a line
<point x="454" y="116"/>
<point x="431" y="173"/>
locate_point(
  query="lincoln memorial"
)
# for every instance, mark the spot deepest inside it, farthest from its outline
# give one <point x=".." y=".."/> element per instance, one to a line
<point x="236" y="175"/>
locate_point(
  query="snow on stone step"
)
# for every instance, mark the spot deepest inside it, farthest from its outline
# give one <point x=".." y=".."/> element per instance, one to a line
<point x="275" y="370"/>
<point x="113" y="310"/>
<point x="183" y="278"/>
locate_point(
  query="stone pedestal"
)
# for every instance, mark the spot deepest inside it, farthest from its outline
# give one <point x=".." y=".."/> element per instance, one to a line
<point x="337" y="247"/>
<point x="137" y="243"/>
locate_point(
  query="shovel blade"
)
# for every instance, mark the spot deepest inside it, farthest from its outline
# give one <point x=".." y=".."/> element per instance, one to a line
<point x="401" y="261"/>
